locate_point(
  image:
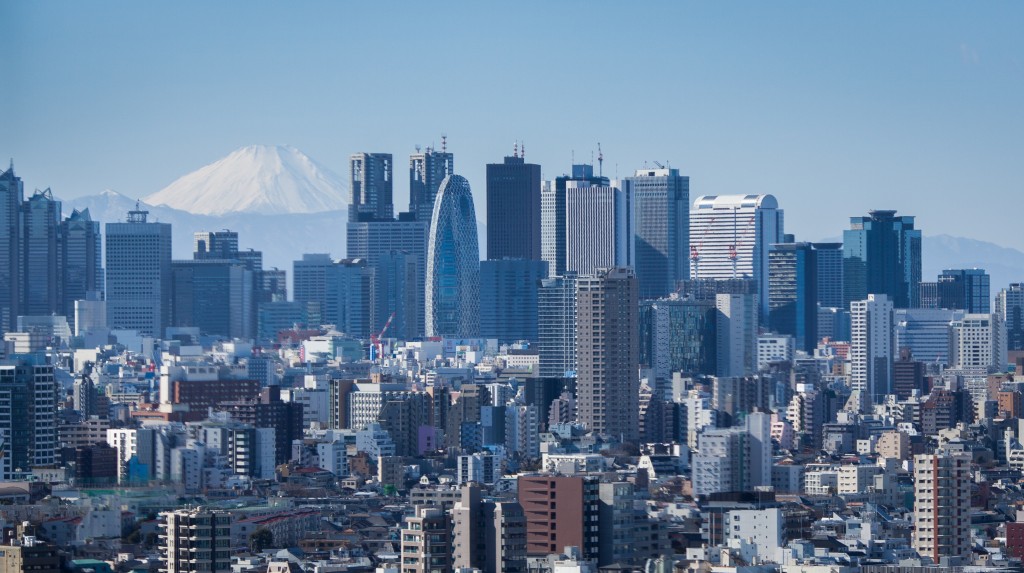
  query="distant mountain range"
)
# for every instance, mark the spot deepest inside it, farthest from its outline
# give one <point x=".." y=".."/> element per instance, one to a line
<point x="285" y="204"/>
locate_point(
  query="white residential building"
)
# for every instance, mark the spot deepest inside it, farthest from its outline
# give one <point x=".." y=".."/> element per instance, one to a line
<point x="871" y="348"/>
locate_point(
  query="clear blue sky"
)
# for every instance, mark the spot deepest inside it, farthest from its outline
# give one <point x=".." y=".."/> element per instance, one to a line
<point x="836" y="108"/>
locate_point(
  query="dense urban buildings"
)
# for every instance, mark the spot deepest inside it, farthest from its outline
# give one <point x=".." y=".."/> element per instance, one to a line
<point x="625" y="384"/>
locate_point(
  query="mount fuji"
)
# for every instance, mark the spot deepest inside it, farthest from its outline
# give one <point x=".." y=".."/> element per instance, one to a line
<point x="279" y="201"/>
<point x="262" y="179"/>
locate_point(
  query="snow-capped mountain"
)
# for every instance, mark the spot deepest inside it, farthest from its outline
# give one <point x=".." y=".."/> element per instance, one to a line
<point x="264" y="179"/>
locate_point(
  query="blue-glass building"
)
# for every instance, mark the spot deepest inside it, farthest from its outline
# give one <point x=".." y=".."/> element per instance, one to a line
<point x="793" y="292"/>
<point x="678" y="335"/>
<point x="882" y="255"/>
<point x="508" y="298"/>
<point x="453" y="263"/>
<point x="965" y="289"/>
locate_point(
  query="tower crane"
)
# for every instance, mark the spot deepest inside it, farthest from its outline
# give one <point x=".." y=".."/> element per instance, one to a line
<point x="737" y="242"/>
<point x="375" y="340"/>
<point x="695" y="249"/>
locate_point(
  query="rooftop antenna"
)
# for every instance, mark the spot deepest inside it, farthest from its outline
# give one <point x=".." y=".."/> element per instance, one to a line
<point x="574" y="157"/>
<point x="515" y="149"/>
<point x="522" y="150"/>
<point x="444" y="143"/>
<point x="417" y="148"/>
<point x="600" y="160"/>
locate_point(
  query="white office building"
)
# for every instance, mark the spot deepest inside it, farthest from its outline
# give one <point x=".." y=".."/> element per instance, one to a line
<point x="774" y="348"/>
<point x="978" y="341"/>
<point x="736" y="334"/>
<point x="598" y="226"/>
<point x="730" y="236"/>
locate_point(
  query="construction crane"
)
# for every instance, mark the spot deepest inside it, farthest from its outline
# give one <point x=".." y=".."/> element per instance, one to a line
<point x="695" y="249"/>
<point x="737" y="242"/>
<point x="375" y="341"/>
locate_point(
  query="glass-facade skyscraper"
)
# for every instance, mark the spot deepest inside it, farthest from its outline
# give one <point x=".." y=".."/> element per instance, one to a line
<point x="965" y="289"/>
<point x="678" y="335"/>
<point x="793" y="293"/>
<point x="556" y="326"/>
<point x="830" y="274"/>
<point x="427" y="169"/>
<point x="371" y="187"/>
<point x="508" y="298"/>
<point x="139" y="274"/>
<point x="882" y="255"/>
<point x="453" y="263"/>
<point x="513" y="209"/>
<point x="552" y="215"/>
<point x="12" y="192"/>
<point x="661" y="207"/>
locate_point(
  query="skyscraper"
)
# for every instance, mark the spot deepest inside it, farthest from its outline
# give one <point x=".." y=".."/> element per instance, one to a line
<point x="513" y="209"/>
<point x="882" y="255"/>
<point x="427" y="169"/>
<point x="678" y="335"/>
<point x="309" y="282"/>
<point x="871" y="347"/>
<point x="139" y="274"/>
<point x="1010" y="308"/>
<point x="792" y="292"/>
<point x="607" y="351"/>
<point x="661" y="204"/>
<point x="556" y="326"/>
<point x="12" y="192"/>
<point x="379" y="242"/>
<point x="372" y="186"/>
<point x="598" y="226"/>
<point x="978" y="341"/>
<point x="215" y="245"/>
<point x="730" y="237"/>
<point x="215" y="295"/>
<point x="453" y="263"/>
<point x="965" y="289"/>
<point x="508" y="298"/>
<point x="736" y="330"/>
<point x="830" y="274"/>
<point x="42" y="280"/>
<point x="81" y="259"/>
<point x="552" y="215"/>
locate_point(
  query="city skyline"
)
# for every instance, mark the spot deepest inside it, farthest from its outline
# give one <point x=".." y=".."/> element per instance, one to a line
<point x="921" y="114"/>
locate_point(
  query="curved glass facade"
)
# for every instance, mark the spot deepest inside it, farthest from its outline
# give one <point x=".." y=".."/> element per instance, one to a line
<point x="453" y="263"/>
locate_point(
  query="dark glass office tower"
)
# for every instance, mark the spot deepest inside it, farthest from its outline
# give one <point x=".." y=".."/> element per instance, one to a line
<point x="371" y="186"/>
<point x="882" y="255"/>
<point x="508" y="299"/>
<point x="427" y="169"/>
<point x="793" y="293"/>
<point x="965" y="289"/>
<point x="661" y="207"/>
<point x="830" y="274"/>
<point x="513" y="209"/>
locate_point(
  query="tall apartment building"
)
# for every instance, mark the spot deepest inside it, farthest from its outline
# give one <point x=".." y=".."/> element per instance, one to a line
<point x="607" y="351"/>
<point x="488" y="535"/>
<point x="661" y="207"/>
<point x="513" y="209"/>
<point x="730" y="236"/>
<point x="942" y="506"/>
<point x="556" y="326"/>
<point x="426" y="541"/>
<point x="28" y="415"/>
<point x="872" y="347"/>
<point x="561" y="511"/>
<point x="139" y="274"/>
<point x="882" y="255"/>
<point x="371" y="185"/>
<point x="196" y="540"/>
